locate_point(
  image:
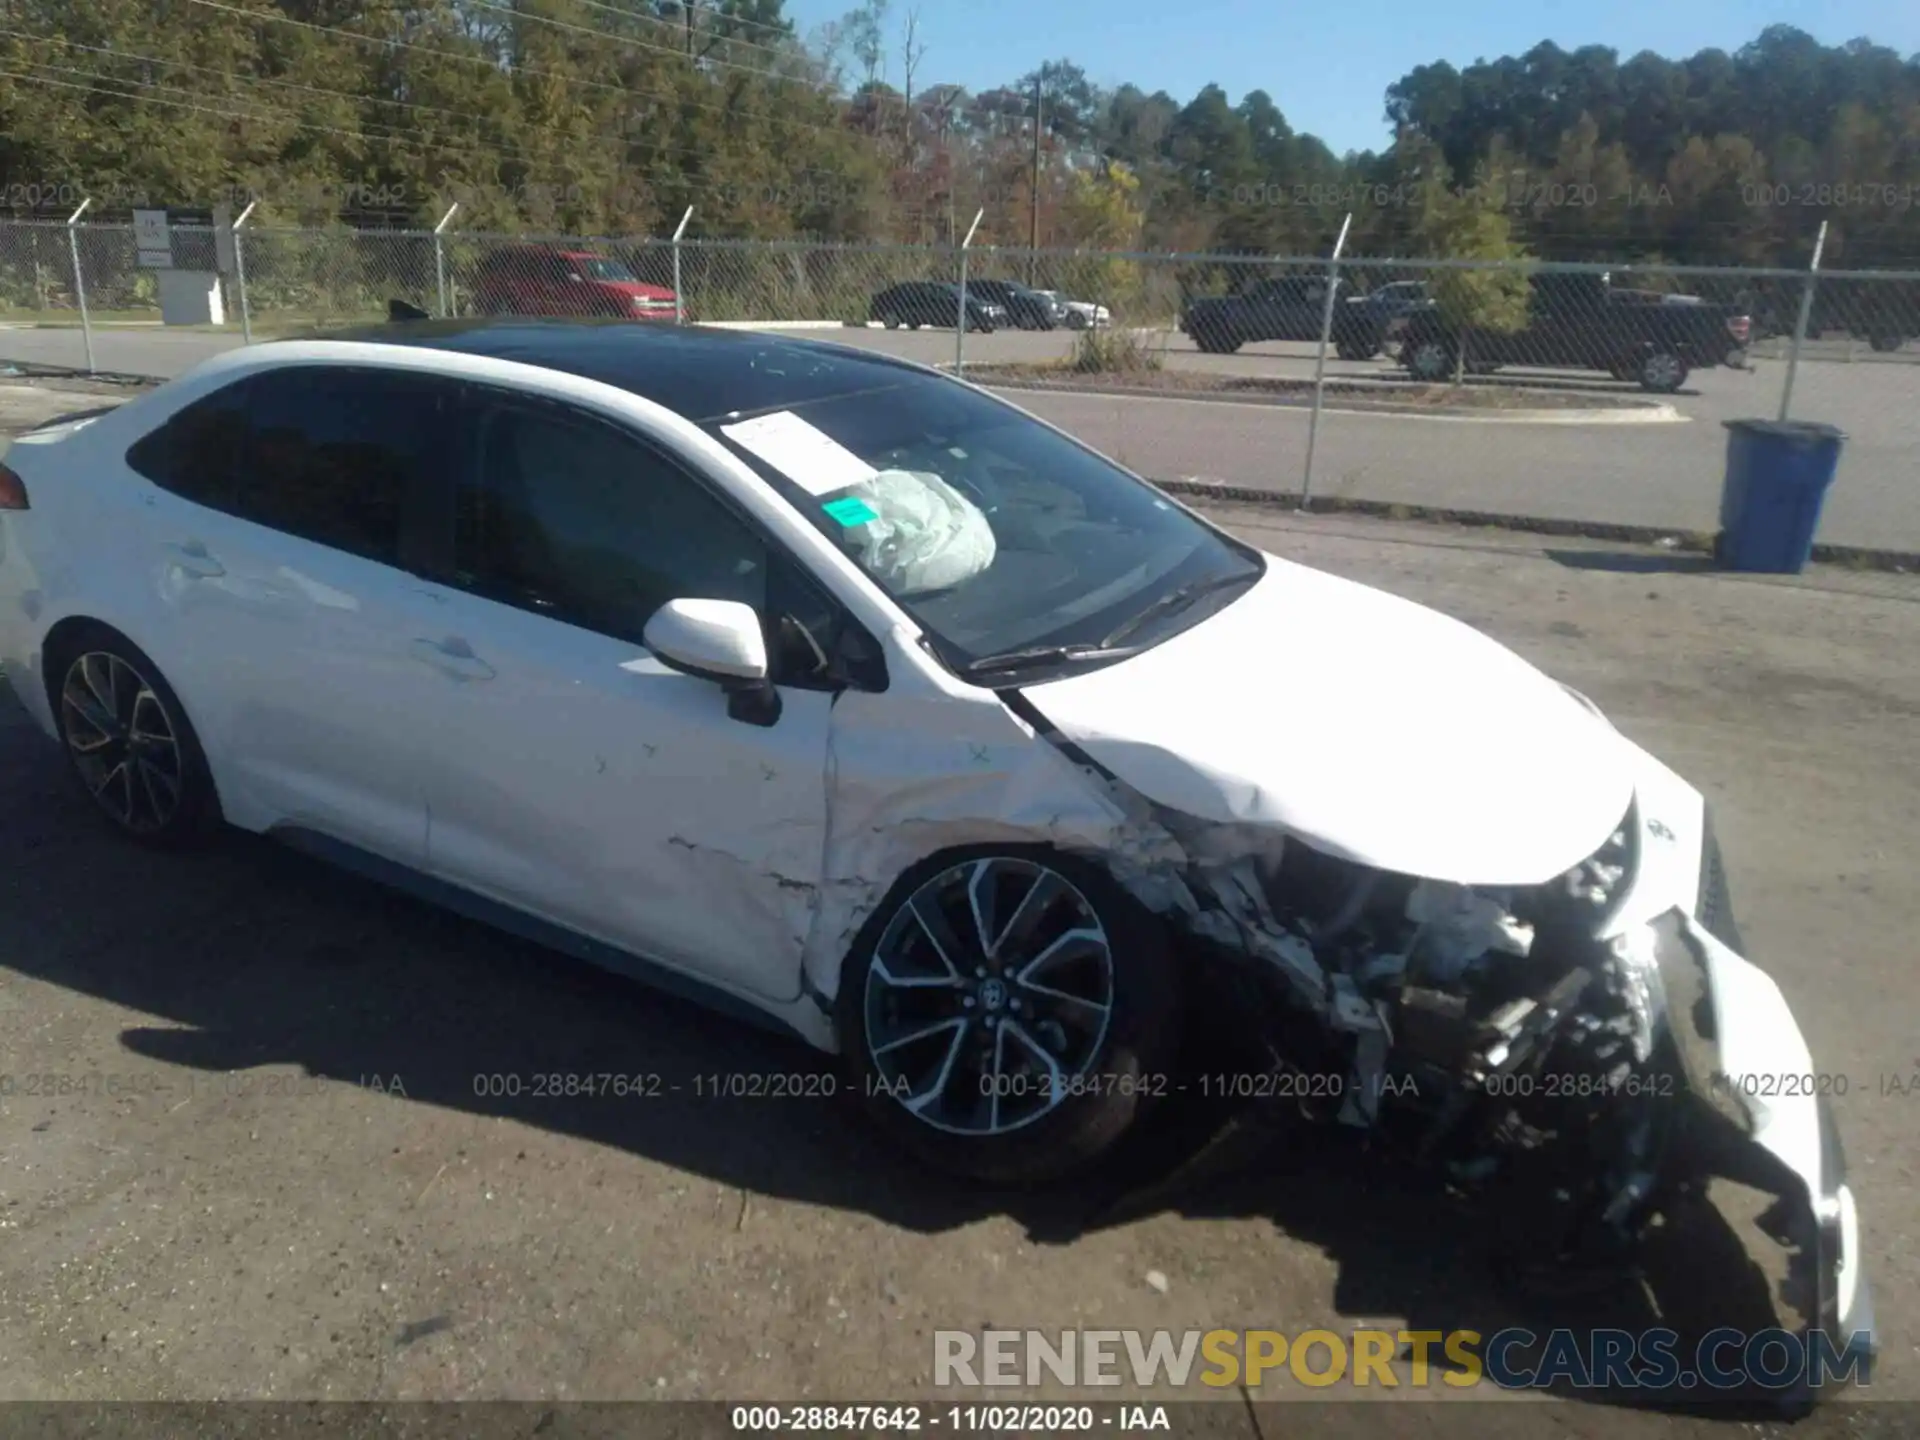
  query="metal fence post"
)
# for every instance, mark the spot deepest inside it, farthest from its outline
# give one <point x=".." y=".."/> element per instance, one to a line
<point x="1320" y="359"/>
<point x="1800" y="325"/>
<point x="679" y="304"/>
<point x="80" y="281"/>
<point x="960" y="326"/>
<point x="440" y="258"/>
<point x="240" y="273"/>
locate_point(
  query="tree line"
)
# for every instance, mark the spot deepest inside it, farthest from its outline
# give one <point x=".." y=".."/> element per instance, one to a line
<point x="612" y="117"/>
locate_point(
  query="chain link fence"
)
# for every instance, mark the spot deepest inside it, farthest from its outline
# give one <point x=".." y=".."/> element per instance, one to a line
<point x="1483" y="316"/>
<point x="1347" y="335"/>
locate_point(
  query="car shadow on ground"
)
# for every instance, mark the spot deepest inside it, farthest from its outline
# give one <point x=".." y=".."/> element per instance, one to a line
<point x="252" y="955"/>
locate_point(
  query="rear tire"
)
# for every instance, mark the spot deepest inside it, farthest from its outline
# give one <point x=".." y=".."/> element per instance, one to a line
<point x="1662" y="372"/>
<point x="1429" y="361"/>
<point x="128" y="742"/>
<point x="1353" y="349"/>
<point x="1886" y="344"/>
<point x="1021" y="1046"/>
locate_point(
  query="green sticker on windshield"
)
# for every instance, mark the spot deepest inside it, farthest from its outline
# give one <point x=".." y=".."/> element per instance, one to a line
<point x="851" y="510"/>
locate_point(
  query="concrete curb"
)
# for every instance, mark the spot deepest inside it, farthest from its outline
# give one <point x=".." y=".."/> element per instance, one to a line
<point x="1689" y="542"/>
<point x="1655" y="413"/>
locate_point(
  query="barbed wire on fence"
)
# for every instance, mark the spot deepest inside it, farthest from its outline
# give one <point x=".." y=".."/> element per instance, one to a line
<point x="1425" y="320"/>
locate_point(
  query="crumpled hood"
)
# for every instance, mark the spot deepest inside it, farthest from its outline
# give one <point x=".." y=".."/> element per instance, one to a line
<point x="1368" y="726"/>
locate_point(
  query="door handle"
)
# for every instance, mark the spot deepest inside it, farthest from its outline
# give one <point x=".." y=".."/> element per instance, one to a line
<point x="454" y="657"/>
<point x="192" y="557"/>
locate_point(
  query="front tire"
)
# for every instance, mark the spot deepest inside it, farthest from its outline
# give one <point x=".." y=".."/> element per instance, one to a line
<point x="1009" y="1014"/>
<point x="129" y="743"/>
<point x="1885" y="344"/>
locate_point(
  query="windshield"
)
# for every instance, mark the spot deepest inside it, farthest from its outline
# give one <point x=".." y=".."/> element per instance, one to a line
<point x="994" y="532"/>
<point x="607" y="270"/>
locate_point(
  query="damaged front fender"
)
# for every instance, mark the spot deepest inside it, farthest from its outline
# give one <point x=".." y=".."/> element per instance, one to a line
<point x="965" y="770"/>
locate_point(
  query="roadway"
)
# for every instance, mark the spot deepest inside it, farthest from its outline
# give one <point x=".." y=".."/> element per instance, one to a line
<point x="1658" y="475"/>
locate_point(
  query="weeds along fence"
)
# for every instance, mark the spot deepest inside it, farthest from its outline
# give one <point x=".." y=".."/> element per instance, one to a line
<point x="1485" y="315"/>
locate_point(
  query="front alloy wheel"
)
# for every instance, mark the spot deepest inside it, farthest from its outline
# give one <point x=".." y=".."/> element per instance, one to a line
<point x="1012" y="1016"/>
<point x="991" y="989"/>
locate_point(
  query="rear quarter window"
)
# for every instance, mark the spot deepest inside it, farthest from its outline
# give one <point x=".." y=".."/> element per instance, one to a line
<point x="196" y="453"/>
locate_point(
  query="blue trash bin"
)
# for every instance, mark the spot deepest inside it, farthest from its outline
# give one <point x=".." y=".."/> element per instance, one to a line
<point x="1778" y="472"/>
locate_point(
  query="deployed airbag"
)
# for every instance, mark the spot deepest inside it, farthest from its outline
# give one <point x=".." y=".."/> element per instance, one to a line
<point x="924" y="535"/>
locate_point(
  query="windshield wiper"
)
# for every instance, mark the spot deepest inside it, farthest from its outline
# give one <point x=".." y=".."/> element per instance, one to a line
<point x="1174" y="600"/>
<point x="1038" y="656"/>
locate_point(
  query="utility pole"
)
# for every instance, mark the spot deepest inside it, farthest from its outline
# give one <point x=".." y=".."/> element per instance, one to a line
<point x="1033" y="239"/>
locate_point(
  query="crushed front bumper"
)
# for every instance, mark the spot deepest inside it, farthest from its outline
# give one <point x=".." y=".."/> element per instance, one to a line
<point x="1763" y="1105"/>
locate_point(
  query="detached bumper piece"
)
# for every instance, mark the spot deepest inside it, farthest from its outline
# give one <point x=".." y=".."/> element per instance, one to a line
<point x="1759" y="1115"/>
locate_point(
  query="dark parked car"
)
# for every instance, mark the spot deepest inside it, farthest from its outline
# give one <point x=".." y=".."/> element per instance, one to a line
<point x="1884" y="313"/>
<point x="1582" y="322"/>
<point x="1028" y="309"/>
<point x="914" y="303"/>
<point x="1288" y="307"/>
<point x="545" y="280"/>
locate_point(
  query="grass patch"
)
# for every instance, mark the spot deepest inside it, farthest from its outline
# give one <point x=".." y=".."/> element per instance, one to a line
<point x="1112" y="352"/>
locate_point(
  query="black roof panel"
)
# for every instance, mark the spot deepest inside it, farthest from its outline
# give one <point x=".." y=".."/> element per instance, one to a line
<point x="695" y="371"/>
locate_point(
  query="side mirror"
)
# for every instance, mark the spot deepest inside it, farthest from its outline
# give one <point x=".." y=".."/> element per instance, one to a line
<point x="721" y="641"/>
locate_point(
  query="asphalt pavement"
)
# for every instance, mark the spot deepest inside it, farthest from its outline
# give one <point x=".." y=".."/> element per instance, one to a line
<point x="1652" y="475"/>
<point x="278" y="1156"/>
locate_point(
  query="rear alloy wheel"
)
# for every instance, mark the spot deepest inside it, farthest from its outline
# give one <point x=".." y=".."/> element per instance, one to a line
<point x="1662" y="372"/>
<point x="130" y="745"/>
<point x="1010" y="1015"/>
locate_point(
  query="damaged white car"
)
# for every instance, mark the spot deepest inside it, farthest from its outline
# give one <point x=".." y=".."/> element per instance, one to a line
<point x="846" y="695"/>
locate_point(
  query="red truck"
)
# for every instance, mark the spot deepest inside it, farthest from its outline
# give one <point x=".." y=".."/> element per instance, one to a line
<point x="544" y="280"/>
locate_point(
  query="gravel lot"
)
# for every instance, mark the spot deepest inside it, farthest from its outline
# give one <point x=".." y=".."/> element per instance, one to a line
<point x="283" y="1180"/>
<point x="1663" y="475"/>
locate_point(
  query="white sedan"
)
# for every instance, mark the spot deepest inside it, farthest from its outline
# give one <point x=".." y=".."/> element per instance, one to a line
<point x="845" y="695"/>
<point x="1081" y="314"/>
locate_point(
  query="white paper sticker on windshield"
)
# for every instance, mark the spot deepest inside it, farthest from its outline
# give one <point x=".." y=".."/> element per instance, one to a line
<point x="802" y="452"/>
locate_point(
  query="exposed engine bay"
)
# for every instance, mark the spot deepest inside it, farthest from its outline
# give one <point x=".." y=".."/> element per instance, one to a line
<point x="1482" y="1032"/>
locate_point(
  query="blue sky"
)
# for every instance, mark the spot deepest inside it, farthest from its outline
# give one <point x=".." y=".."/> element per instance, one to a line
<point x="1327" y="66"/>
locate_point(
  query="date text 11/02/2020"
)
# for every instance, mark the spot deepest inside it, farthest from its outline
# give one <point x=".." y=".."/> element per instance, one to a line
<point x="989" y="1419"/>
<point x="827" y="1084"/>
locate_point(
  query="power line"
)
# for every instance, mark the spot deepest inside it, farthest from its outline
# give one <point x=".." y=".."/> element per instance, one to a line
<point x="677" y="178"/>
<point x="674" y="50"/>
<point x="478" y="120"/>
<point x="521" y="69"/>
<point x="632" y="16"/>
